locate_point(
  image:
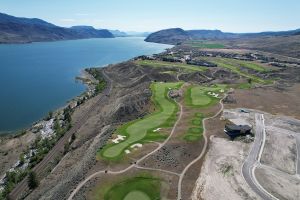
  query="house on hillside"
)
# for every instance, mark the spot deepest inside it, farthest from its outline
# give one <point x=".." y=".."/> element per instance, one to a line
<point x="234" y="131"/>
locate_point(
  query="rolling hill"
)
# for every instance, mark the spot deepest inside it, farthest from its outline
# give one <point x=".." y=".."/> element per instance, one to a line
<point x="169" y="36"/>
<point x="24" y="30"/>
<point x="178" y="35"/>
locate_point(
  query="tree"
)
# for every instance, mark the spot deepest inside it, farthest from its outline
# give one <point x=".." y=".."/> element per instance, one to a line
<point x="32" y="180"/>
<point x="73" y="137"/>
<point x="250" y="81"/>
<point x="22" y="159"/>
<point x="66" y="147"/>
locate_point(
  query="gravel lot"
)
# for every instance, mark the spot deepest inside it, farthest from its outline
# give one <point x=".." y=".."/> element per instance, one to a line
<point x="220" y="176"/>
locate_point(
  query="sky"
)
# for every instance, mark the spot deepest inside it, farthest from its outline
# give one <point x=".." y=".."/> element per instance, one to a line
<point x="152" y="15"/>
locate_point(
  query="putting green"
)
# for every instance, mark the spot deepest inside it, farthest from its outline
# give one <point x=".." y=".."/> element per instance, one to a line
<point x="143" y="187"/>
<point x="199" y="95"/>
<point x="137" y="195"/>
<point x="137" y="130"/>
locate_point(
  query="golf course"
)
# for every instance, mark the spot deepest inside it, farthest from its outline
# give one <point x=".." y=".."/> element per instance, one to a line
<point x="198" y="97"/>
<point x="202" y="96"/>
<point x="236" y="67"/>
<point x="136" y="131"/>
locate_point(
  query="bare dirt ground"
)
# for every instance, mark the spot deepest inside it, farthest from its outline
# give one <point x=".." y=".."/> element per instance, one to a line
<point x="280" y="151"/>
<point x="220" y="176"/>
<point x="271" y="100"/>
<point x="281" y="185"/>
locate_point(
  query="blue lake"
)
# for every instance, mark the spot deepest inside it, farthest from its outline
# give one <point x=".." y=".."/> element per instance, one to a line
<point x="39" y="77"/>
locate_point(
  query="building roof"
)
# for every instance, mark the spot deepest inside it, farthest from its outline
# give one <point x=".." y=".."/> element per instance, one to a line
<point x="233" y="127"/>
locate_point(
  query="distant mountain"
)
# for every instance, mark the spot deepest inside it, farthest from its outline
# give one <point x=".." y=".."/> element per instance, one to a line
<point x="169" y="36"/>
<point x="177" y="35"/>
<point x="91" y="32"/>
<point x="118" y="33"/>
<point x="137" y="34"/>
<point x="210" y="34"/>
<point x="24" y="30"/>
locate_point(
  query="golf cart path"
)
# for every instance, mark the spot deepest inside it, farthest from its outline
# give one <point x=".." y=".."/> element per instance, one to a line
<point x="202" y="152"/>
<point x="81" y="184"/>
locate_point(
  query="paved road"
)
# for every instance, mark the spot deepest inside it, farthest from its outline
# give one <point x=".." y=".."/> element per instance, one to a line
<point x="41" y="168"/>
<point x="253" y="159"/>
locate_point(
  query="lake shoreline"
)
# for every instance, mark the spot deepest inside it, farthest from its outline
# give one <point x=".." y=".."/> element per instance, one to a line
<point x="43" y="75"/>
<point x="89" y="83"/>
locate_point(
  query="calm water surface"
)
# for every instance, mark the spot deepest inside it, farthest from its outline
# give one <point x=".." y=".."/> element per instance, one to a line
<point x="39" y="77"/>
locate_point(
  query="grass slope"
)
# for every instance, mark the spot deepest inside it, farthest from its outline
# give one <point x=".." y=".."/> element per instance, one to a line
<point x="141" y="130"/>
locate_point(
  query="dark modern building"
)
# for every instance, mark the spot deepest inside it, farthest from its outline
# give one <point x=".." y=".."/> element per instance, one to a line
<point x="234" y="131"/>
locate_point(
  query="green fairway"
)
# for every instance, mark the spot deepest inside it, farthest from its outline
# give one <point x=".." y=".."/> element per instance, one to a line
<point x="137" y="130"/>
<point x="200" y="96"/>
<point x="235" y="65"/>
<point x="247" y="64"/>
<point x="204" y="44"/>
<point x="157" y="63"/>
<point x="137" y="188"/>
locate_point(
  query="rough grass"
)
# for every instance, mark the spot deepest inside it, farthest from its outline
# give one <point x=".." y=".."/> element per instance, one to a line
<point x="244" y="86"/>
<point x="157" y="63"/>
<point x="141" y="130"/>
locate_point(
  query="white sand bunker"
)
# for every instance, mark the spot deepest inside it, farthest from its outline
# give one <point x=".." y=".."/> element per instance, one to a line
<point x="137" y="145"/>
<point x="158" y="129"/>
<point x="119" y="139"/>
<point x="213" y="94"/>
<point x="127" y="151"/>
